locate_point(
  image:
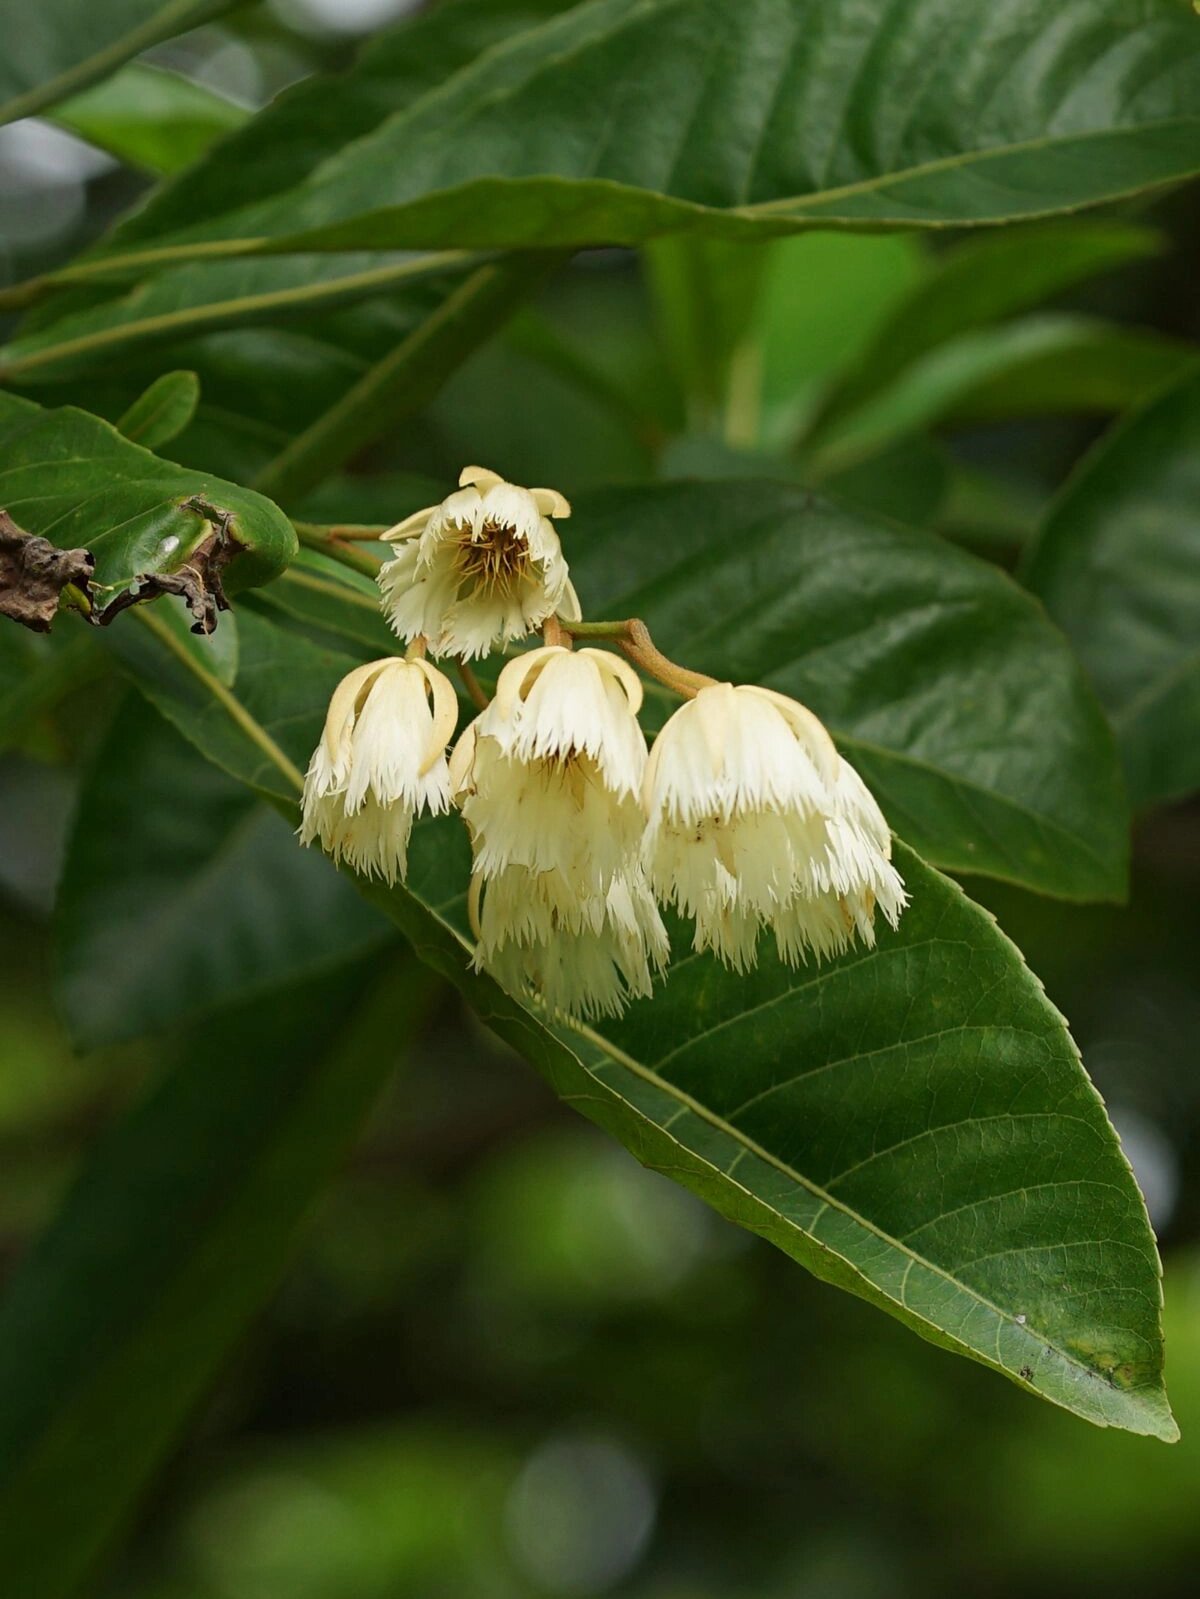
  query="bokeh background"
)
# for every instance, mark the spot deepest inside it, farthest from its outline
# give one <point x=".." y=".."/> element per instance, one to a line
<point x="505" y="1361"/>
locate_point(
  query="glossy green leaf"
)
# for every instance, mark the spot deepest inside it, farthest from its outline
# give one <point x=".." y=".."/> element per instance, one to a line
<point x="152" y="119"/>
<point x="1116" y="563"/>
<point x="162" y="411"/>
<point x="966" y="713"/>
<point x="74" y="479"/>
<point x="975" y="285"/>
<point x="53" y="51"/>
<point x="215" y="902"/>
<point x="911" y="1123"/>
<point x="763" y="117"/>
<point x="175" y="1233"/>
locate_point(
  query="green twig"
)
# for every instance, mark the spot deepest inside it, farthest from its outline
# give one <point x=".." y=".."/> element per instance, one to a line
<point x="319" y="538"/>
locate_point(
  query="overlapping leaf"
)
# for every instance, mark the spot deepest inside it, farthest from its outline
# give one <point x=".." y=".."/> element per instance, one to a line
<point x="1116" y="563"/>
<point x="911" y="1123"/>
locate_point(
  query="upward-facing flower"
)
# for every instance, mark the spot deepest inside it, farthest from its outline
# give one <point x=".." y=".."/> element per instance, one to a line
<point x="483" y="567"/>
<point x="549" y="780"/>
<point x="756" y="821"/>
<point x="381" y="760"/>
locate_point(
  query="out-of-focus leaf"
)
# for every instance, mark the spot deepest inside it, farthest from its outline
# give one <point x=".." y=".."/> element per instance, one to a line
<point x="163" y="411"/>
<point x="152" y="119"/>
<point x="979" y="283"/>
<point x="962" y="708"/>
<point x="55" y="50"/>
<point x="74" y="479"/>
<point x="1097" y="367"/>
<point x="182" y="892"/>
<point x="824" y="297"/>
<point x="763" y="118"/>
<point x="36" y="670"/>
<point x="1117" y="562"/>
<point x="1030" y="367"/>
<point x="174" y="1235"/>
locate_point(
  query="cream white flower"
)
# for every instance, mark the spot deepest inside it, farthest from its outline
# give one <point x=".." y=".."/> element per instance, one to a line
<point x="483" y="567"/>
<point x="549" y="776"/>
<point x="549" y="781"/>
<point x="380" y="761"/>
<point x="756" y="821"/>
<point x="584" y="956"/>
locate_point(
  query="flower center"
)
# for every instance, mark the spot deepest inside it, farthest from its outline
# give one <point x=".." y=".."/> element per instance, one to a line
<point x="495" y="558"/>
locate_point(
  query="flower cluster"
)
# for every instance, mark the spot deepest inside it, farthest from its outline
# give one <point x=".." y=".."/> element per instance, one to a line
<point x="743" y="817"/>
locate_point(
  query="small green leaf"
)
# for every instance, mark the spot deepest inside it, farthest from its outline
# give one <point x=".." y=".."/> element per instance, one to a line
<point x="175" y="1233"/>
<point x="54" y="50"/>
<point x="215" y="902"/>
<point x="163" y="411"/>
<point x="1116" y="564"/>
<point x="152" y="119"/>
<point x="74" y="479"/>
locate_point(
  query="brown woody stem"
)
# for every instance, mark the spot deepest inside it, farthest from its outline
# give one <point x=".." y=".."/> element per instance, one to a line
<point x="633" y="636"/>
<point x="329" y="542"/>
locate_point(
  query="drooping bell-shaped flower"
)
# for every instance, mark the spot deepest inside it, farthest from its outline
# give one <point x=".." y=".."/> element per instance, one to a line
<point x="380" y="762"/>
<point x="480" y="569"/>
<point x="755" y="821"/>
<point x="549" y="776"/>
<point x="549" y="780"/>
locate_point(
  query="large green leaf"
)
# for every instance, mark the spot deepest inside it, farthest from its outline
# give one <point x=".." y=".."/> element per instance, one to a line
<point x="52" y="51"/>
<point x="215" y="902"/>
<point x="75" y="480"/>
<point x="1116" y="563"/>
<point x="763" y="117"/>
<point x="911" y="1123"/>
<point x="175" y="1233"/>
<point x="965" y="712"/>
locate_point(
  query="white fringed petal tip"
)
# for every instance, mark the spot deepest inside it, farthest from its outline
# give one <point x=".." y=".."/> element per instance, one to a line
<point x="479" y="570"/>
<point x="380" y="762"/>
<point x="756" y="822"/>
